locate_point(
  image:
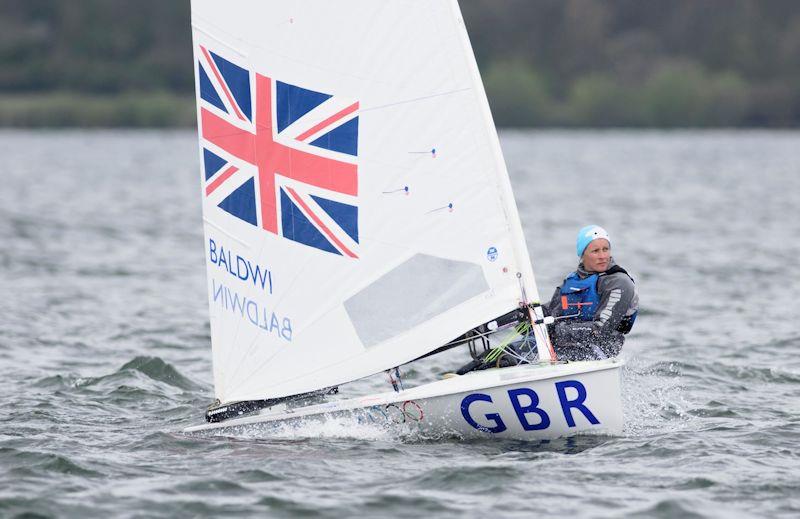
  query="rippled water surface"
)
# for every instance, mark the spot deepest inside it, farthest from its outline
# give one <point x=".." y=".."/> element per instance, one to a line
<point x="105" y="353"/>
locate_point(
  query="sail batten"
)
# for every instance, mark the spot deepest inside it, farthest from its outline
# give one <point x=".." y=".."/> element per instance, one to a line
<point x="358" y="213"/>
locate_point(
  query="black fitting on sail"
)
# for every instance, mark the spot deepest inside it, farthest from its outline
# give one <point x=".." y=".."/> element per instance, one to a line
<point x="533" y="307"/>
<point x="220" y="413"/>
<point x="217" y="412"/>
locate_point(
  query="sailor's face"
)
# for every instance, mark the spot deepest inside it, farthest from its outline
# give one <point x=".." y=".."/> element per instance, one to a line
<point x="597" y="255"/>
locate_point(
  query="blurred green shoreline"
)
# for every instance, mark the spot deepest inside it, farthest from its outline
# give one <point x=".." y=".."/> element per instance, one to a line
<point x="544" y="63"/>
<point x="68" y="109"/>
<point x="515" y="104"/>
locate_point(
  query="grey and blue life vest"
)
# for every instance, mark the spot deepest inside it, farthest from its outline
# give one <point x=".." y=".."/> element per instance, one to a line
<point x="580" y="298"/>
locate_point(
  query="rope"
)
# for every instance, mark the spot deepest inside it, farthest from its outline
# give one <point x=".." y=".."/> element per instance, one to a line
<point x="524" y="329"/>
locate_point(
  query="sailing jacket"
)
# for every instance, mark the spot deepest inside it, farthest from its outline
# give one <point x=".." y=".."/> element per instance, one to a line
<point x="597" y="331"/>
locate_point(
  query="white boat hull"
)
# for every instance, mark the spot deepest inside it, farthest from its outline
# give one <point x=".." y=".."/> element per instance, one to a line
<point x="529" y="402"/>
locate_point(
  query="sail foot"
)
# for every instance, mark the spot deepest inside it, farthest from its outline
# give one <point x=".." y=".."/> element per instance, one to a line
<point x="220" y="412"/>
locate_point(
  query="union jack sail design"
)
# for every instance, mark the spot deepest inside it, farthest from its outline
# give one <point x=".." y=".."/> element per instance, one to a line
<point x="302" y="143"/>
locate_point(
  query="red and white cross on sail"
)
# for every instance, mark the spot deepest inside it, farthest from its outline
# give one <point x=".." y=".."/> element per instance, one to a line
<point x="272" y="158"/>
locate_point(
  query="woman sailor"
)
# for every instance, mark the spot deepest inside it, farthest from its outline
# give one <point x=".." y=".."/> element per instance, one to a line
<point x="595" y="305"/>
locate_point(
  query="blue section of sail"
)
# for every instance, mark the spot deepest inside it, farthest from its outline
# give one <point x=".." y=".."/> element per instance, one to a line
<point x="207" y="91"/>
<point x="346" y="216"/>
<point x="294" y="102"/>
<point x="298" y="228"/>
<point x="242" y="203"/>
<point x="212" y="163"/>
<point x="238" y="81"/>
<point x="343" y="139"/>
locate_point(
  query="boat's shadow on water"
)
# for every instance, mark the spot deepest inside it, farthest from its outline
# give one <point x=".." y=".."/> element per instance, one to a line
<point x="569" y="445"/>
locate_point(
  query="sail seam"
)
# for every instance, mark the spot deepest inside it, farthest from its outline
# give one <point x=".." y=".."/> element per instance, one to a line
<point x="405" y="101"/>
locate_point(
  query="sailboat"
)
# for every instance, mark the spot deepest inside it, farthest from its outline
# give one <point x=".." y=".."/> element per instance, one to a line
<point x="358" y="216"/>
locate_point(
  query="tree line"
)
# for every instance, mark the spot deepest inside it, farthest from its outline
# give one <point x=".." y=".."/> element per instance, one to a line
<point x="599" y="63"/>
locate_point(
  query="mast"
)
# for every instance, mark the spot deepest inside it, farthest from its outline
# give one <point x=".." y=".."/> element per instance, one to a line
<point x="529" y="292"/>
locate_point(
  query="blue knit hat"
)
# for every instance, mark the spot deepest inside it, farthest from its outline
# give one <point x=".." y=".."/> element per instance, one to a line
<point x="587" y="235"/>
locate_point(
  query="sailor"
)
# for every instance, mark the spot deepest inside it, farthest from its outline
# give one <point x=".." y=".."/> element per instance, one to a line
<point x="596" y="305"/>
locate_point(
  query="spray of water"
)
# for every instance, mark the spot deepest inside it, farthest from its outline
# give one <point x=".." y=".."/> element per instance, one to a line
<point x="653" y="398"/>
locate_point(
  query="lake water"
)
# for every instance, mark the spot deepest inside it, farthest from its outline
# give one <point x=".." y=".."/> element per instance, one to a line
<point x="105" y="352"/>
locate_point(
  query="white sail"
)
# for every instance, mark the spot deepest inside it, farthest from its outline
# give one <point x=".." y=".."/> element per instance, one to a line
<point x="357" y="209"/>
